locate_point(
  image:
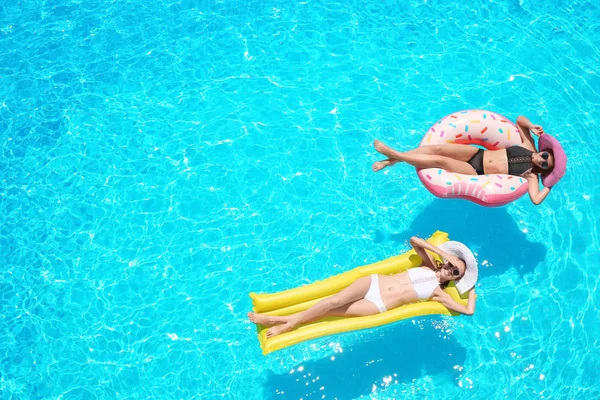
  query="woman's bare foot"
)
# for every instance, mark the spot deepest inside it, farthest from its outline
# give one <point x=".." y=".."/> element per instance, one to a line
<point x="279" y="329"/>
<point x="264" y="319"/>
<point x="383" y="149"/>
<point x="379" y="165"/>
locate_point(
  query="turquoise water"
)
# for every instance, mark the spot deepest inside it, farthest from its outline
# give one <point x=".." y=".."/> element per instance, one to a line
<point x="161" y="160"/>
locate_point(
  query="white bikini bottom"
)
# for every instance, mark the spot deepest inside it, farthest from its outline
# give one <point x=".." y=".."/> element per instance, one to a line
<point x="374" y="294"/>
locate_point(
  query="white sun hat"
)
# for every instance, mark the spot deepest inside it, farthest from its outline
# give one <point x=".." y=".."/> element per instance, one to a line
<point x="459" y="250"/>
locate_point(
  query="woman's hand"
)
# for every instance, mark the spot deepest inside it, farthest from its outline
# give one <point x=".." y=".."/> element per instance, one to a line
<point x="530" y="176"/>
<point x="452" y="259"/>
<point x="537" y="130"/>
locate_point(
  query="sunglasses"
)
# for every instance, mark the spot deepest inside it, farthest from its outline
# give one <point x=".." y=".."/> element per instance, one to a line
<point x="451" y="267"/>
<point x="545" y="156"/>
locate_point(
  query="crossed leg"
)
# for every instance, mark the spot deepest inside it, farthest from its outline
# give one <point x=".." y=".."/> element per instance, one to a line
<point x="349" y="302"/>
<point x="379" y="165"/>
<point x="451" y="157"/>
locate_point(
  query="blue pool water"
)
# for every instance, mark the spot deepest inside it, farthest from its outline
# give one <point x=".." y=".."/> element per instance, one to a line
<point x="160" y="160"/>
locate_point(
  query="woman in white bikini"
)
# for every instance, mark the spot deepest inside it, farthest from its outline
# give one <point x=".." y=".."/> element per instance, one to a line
<point x="378" y="293"/>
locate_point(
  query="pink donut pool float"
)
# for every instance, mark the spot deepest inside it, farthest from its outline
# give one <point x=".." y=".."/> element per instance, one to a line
<point x="478" y="127"/>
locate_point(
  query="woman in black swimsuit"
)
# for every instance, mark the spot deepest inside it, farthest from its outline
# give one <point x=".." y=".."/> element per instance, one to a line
<point x="525" y="160"/>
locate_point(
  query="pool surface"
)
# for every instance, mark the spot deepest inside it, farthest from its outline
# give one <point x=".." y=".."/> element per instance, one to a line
<point x="161" y="160"/>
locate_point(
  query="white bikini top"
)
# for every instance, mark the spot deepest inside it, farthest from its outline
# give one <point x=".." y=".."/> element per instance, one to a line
<point x="424" y="281"/>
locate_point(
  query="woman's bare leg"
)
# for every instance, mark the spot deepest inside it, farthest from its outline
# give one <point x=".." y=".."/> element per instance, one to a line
<point x="379" y="165"/>
<point x="356" y="291"/>
<point x="427" y="160"/>
<point x="358" y="308"/>
<point x="268" y="320"/>
<point x="460" y="152"/>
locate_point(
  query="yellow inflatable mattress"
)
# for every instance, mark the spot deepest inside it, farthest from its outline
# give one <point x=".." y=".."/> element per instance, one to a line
<point x="299" y="299"/>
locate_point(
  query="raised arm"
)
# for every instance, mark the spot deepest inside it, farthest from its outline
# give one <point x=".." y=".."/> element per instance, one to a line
<point x="440" y="296"/>
<point x="525" y="128"/>
<point x="421" y="246"/>
<point x="536" y="196"/>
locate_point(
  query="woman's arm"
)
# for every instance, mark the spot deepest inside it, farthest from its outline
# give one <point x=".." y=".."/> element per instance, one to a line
<point x="440" y="296"/>
<point x="536" y="196"/>
<point x="525" y="128"/>
<point x="421" y="246"/>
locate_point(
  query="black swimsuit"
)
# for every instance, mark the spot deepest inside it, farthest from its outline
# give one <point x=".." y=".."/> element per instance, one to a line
<point x="477" y="162"/>
<point x="519" y="160"/>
